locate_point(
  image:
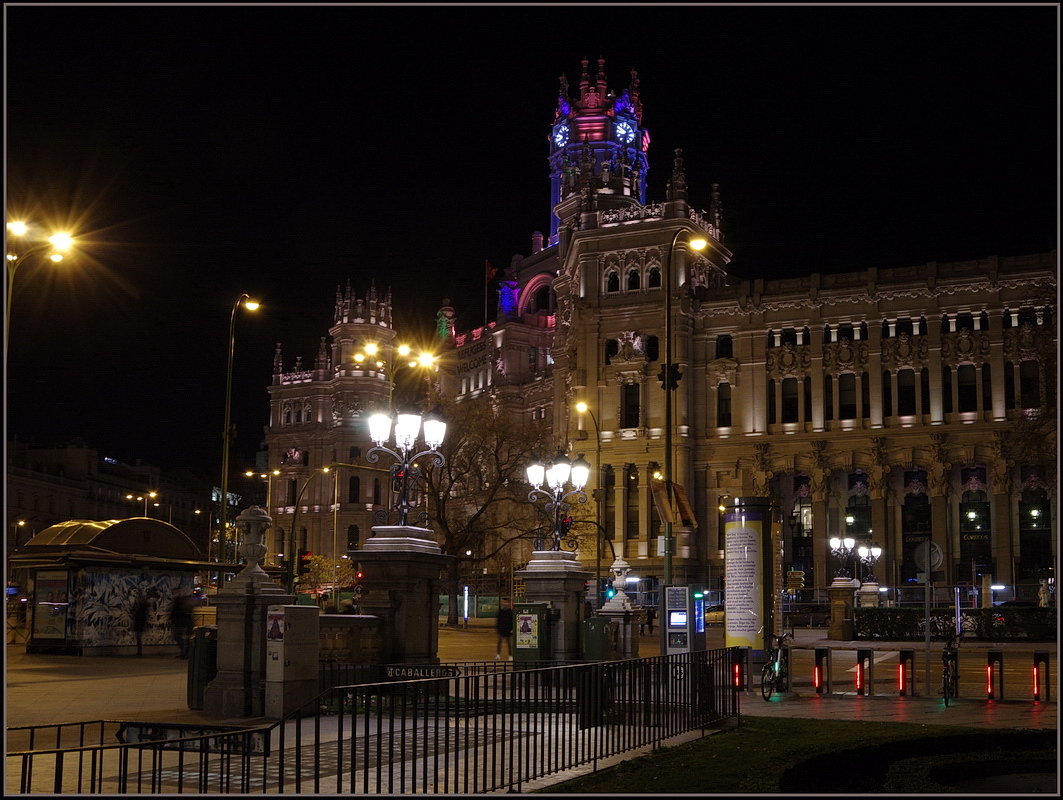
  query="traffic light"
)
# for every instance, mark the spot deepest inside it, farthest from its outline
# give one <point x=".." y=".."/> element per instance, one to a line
<point x="359" y="575"/>
<point x="672" y="382"/>
<point x="397" y="478"/>
<point x="304" y="562"/>
<point x="565" y="525"/>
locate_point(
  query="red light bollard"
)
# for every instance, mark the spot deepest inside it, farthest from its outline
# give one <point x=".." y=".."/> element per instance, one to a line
<point x="821" y="670"/>
<point x="1041" y="689"/>
<point x="994" y="675"/>
<point x="739" y="669"/>
<point x="865" y="663"/>
<point x="905" y="673"/>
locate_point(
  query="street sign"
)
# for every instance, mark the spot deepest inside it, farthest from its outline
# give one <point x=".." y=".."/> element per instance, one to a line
<point x="427" y="671"/>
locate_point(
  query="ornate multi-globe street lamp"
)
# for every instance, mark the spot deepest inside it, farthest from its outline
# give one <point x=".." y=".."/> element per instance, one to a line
<point x="560" y="472"/>
<point x="841" y="548"/>
<point x="405" y="470"/>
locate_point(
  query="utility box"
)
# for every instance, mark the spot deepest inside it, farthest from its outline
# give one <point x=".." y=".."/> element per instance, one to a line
<point x="202" y="663"/>
<point x="293" y="648"/>
<point x="531" y="632"/>
<point x="600" y="639"/>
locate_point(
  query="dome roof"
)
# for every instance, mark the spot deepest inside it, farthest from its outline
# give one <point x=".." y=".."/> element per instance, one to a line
<point x="134" y="536"/>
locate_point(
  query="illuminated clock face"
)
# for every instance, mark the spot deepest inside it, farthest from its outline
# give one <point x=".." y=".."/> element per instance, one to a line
<point x="561" y="135"/>
<point x="624" y="132"/>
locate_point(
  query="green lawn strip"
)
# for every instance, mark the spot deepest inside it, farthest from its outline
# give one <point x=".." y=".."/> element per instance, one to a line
<point x="751" y="758"/>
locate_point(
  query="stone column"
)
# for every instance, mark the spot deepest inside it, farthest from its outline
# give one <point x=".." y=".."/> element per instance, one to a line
<point x="556" y="578"/>
<point x="401" y="585"/>
<point x="238" y="690"/>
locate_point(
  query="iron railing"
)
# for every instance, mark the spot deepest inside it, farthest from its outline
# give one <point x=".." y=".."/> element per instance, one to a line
<point x="484" y="730"/>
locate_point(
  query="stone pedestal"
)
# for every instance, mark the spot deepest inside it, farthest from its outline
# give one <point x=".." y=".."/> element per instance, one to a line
<point x="400" y="586"/>
<point x="867" y="595"/>
<point x="556" y="578"/>
<point x="621" y="611"/>
<point x="239" y="690"/>
<point x="841" y="611"/>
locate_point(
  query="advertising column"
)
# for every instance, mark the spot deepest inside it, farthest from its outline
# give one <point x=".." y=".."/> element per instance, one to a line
<point x="748" y="572"/>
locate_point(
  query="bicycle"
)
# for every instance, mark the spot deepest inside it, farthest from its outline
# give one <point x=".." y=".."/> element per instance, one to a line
<point x="775" y="672"/>
<point x="949" y="679"/>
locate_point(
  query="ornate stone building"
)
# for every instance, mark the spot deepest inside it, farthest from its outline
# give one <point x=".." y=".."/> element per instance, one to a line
<point x="896" y="406"/>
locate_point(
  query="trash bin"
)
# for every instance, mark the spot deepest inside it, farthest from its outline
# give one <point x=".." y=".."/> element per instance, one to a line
<point x="202" y="663"/>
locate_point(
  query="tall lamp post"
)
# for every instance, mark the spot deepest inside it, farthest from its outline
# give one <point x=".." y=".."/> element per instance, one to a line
<point x="405" y="469"/>
<point x="583" y="408"/>
<point x="670" y="376"/>
<point x="57" y="244"/>
<point x="143" y="497"/>
<point x="226" y="436"/>
<point x="560" y="472"/>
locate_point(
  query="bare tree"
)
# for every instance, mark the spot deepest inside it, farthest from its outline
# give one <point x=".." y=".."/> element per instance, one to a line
<point x="478" y="500"/>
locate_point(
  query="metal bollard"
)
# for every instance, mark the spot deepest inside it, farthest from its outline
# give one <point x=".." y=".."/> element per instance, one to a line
<point x="994" y="675"/>
<point x="821" y="670"/>
<point x="1040" y="677"/>
<point x="865" y="662"/>
<point x="906" y="673"/>
<point x="739" y="671"/>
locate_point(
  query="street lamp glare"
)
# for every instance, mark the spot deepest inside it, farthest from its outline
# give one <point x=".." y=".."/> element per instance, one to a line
<point x="404" y="350"/>
<point x="581" y="407"/>
<point x="251" y="305"/>
<point x="18" y="228"/>
<point x="426" y="359"/>
<point x="698" y="243"/>
<point x="61" y="241"/>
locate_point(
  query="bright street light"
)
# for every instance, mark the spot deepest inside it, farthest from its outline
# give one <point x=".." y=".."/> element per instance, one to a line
<point x="57" y="243"/>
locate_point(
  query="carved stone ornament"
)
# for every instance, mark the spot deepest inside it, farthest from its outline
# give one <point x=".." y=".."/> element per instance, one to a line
<point x="1027" y="342"/>
<point x="965" y="347"/>
<point x="722" y="370"/>
<point x="844" y="355"/>
<point x="904" y="351"/>
<point x="788" y="361"/>
<point x="347" y="406"/>
<point x="631" y="348"/>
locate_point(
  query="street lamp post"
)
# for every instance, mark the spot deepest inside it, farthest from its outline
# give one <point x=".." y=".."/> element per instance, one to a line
<point x="143" y="497"/>
<point x="670" y="375"/>
<point x="226" y="436"/>
<point x="841" y="548"/>
<point x="868" y="557"/>
<point x="57" y="243"/>
<point x="405" y="469"/>
<point x="560" y="472"/>
<point x="583" y="408"/>
<point x="268" y="478"/>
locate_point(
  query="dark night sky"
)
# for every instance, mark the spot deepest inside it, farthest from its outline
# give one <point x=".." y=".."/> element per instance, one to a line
<point x="205" y="151"/>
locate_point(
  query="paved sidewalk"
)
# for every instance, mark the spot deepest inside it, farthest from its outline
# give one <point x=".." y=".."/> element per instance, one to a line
<point x="45" y="689"/>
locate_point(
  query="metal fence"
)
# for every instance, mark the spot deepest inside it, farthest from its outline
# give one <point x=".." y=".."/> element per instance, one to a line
<point x="484" y="730"/>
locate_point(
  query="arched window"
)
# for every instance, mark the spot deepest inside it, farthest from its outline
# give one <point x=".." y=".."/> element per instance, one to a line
<point x="1009" y="385"/>
<point x="828" y="397"/>
<point x="353" y="536"/>
<point x="353" y="453"/>
<point x="612" y="282"/>
<point x="286" y="418"/>
<point x="354" y="489"/>
<point x="542" y="302"/>
<point x="654" y="281"/>
<point x="634" y="280"/>
<point x="946" y="389"/>
<point x="771" y="402"/>
<point x="612" y="347"/>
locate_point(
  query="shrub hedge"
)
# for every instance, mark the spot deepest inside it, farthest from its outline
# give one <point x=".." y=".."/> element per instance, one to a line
<point x="1000" y="623"/>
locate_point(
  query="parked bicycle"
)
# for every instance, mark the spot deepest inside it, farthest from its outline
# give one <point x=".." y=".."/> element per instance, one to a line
<point x="950" y="681"/>
<point x="774" y="676"/>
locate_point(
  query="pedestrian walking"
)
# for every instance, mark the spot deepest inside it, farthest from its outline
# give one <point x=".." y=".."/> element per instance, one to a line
<point x="181" y="620"/>
<point x="651" y="615"/>
<point x="140" y="622"/>
<point x="504" y="628"/>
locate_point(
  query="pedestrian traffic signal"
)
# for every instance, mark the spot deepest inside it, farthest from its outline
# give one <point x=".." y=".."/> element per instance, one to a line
<point x="304" y="562"/>
<point x="359" y="575"/>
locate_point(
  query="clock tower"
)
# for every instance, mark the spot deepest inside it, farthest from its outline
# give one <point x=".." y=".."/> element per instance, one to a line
<point x="597" y="148"/>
